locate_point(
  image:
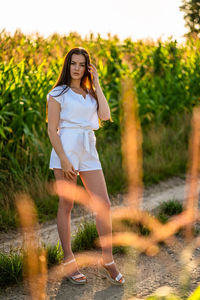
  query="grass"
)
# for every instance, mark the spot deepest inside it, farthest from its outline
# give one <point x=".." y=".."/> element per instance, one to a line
<point x="136" y="227"/>
<point x="165" y="149"/>
<point x="168" y="209"/>
<point x="54" y="254"/>
<point x="109" y="149"/>
<point x="171" y="207"/>
<point x="10" y="268"/>
<point x="85" y="236"/>
<point x="11" y="264"/>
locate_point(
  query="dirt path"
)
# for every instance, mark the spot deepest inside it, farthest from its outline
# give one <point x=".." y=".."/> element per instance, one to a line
<point x="143" y="274"/>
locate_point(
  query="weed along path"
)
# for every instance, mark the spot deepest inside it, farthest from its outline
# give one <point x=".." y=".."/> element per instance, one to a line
<point x="144" y="274"/>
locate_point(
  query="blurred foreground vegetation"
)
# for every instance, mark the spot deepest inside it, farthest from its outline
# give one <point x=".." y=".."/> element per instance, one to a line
<point x="166" y="76"/>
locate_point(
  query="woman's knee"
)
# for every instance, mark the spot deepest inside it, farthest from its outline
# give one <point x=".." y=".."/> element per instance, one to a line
<point x="65" y="205"/>
<point x="105" y="205"/>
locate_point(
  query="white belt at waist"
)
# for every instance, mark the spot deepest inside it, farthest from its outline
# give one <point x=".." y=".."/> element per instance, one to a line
<point x="87" y="131"/>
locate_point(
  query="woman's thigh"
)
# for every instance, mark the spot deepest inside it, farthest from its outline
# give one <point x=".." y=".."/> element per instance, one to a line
<point x="94" y="183"/>
<point x="60" y="175"/>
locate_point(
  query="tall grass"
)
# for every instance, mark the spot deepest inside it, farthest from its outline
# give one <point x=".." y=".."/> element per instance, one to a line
<point x="165" y="149"/>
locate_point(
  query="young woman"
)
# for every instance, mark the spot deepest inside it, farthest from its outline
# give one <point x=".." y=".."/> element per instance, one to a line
<point x="75" y="105"/>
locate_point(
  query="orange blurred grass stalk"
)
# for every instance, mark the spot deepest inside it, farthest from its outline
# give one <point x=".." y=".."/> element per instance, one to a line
<point x="191" y="203"/>
<point x="72" y="192"/>
<point x="159" y="232"/>
<point x="34" y="264"/>
<point x="131" y="141"/>
<point x="132" y="239"/>
<point x="191" y="199"/>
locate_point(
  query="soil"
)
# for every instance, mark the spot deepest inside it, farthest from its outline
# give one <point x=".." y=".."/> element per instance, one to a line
<point x="143" y="274"/>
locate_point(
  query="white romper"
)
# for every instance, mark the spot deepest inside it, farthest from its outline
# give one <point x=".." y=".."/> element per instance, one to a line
<point x="78" y="120"/>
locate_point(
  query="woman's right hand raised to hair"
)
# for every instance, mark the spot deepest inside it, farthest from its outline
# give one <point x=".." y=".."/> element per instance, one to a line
<point x="68" y="169"/>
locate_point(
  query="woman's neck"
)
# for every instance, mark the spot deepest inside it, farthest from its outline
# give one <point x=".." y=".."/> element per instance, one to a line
<point x="75" y="84"/>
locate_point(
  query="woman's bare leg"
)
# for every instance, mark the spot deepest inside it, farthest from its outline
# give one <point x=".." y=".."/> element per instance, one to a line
<point x="94" y="183"/>
<point x="64" y="221"/>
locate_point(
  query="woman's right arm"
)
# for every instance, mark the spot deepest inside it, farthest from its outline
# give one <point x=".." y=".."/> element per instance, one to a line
<point x="53" y="121"/>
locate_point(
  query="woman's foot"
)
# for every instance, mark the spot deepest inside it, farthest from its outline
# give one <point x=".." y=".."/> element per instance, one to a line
<point x="72" y="265"/>
<point x="112" y="269"/>
<point x="112" y="273"/>
<point x="74" y="275"/>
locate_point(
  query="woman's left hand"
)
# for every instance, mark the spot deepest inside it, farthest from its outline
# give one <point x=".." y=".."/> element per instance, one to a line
<point x="92" y="69"/>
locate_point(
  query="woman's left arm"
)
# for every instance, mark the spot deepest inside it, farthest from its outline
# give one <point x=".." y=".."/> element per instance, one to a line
<point x="104" y="110"/>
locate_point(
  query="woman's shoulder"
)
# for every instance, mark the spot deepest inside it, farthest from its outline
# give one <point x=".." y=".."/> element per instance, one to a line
<point x="57" y="90"/>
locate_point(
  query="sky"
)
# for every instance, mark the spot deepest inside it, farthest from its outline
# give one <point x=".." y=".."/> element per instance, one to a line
<point x="138" y="19"/>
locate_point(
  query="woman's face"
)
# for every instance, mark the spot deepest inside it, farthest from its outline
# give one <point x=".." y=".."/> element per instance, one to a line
<point x="77" y="66"/>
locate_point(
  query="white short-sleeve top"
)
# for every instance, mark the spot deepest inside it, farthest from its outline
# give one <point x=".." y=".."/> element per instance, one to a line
<point x="75" y="110"/>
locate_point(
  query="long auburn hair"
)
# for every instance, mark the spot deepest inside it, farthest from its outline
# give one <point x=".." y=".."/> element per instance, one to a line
<point x="65" y="78"/>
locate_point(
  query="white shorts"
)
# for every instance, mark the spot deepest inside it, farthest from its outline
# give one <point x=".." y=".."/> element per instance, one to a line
<point x="79" y="144"/>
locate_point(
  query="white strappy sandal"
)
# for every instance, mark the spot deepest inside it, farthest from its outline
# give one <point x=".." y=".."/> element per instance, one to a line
<point x="119" y="280"/>
<point x="76" y="279"/>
